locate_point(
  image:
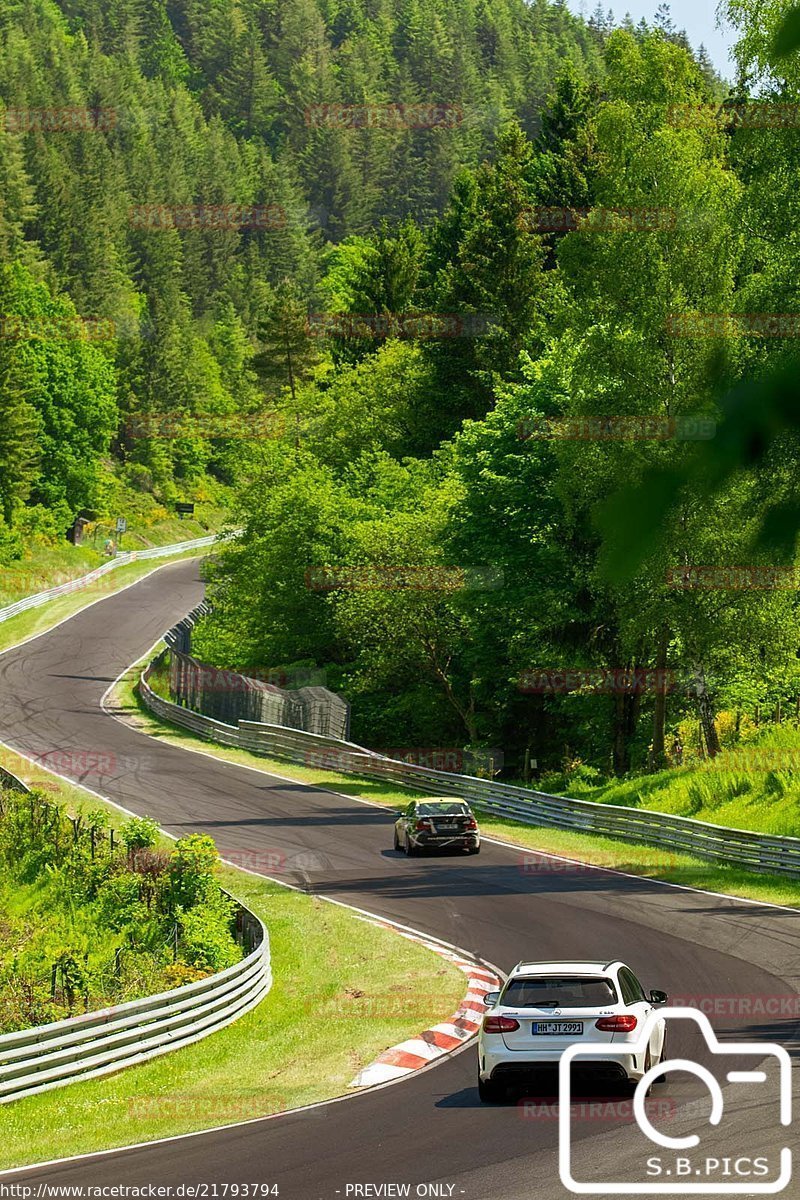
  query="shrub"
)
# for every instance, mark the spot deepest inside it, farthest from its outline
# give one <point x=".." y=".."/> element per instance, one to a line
<point x="119" y="903"/>
<point x="207" y="941"/>
<point x="191" y="868"/>
<point x="139" y="833"/>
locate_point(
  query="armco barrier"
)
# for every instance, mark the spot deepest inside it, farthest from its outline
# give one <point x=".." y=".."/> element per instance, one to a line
<point x="10" y="782"/>
<point x="122" y="560"/>
<point x="755" y="851"/>
<point x="99" y="1043"/>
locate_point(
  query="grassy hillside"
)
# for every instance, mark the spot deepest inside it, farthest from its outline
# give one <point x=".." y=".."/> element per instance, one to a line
<point x="753" y="785"/>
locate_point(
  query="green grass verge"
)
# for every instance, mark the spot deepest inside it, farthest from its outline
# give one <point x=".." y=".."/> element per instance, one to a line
<point x="45" y="565"/>
<point x="305" y="1042"/>
<point x="650" y="861"/>
<point x="753" y="785"/>
<point x="38" y="620"/>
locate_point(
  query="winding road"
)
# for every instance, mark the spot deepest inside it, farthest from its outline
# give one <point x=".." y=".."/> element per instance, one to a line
<point x="430" y="1128"/>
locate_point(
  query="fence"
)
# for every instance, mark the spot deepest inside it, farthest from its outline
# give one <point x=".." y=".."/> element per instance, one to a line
<point x="122" y="560"/>
<point x="755" y="851"/>
<point x="231" y="697"/>
<point x="99" y="1043"/>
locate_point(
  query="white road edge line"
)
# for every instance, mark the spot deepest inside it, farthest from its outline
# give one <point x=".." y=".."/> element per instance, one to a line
<point x="361" y="913"/>
<point x="110" y="596"/>
<point x="364" y="913"/>
<point x="681" y="887"/>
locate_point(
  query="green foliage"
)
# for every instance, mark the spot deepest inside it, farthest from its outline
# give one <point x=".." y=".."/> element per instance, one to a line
<point x="139" y="833"/>
<point x="82" y="925"/>
<point x="206" y="942"/>
<point x="212" y="107"/>
<point x="191" y="871"/>
<point x="437" y="454"/>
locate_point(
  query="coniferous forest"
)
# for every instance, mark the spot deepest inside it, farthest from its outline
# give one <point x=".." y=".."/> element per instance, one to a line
<point x="483" y="314"/>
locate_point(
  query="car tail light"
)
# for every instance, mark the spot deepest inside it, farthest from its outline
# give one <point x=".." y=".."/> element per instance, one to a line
<point x="499" y="1024"/>
<point x="423" y="827"/>
<point x="472" y="823"/>
<point x="622" y="1024"/>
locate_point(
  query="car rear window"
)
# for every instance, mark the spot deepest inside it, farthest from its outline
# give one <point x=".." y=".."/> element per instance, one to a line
<point x="563" y="991"/>
<point x="443" y="810"/>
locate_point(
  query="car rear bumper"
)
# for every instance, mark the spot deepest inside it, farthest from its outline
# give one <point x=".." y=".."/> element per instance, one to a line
<point x="435" y="841"/>
<point x="614" y="1065"/>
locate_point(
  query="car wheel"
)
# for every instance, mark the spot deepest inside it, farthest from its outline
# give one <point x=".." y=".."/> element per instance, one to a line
<point x="474" y="850"/>
<point x="396" y="841"/>
<point x="489" y="1092"/>
<point x="410" y="850"/>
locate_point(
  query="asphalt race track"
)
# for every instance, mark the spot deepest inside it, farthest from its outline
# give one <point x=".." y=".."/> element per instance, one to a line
<point x="431" y="1127"/>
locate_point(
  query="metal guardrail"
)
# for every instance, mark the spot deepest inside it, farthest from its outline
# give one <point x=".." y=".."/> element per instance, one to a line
<point x="98" y="1043"/>
<point x="122" y="560"/>
<point x="757" y="852"/>
<point x="51" y="1056"/>
<point x="11" y="783"/>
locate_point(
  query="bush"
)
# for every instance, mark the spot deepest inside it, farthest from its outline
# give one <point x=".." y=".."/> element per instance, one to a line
<point x="192" y="866"/>
<point x="139" y="833"/>
<point x="119" y="903"/>
<point x="207" y="940"/>
<point x="584" y="778"/>
<point x="98" y="927"/>
<point x="10" y="544"/>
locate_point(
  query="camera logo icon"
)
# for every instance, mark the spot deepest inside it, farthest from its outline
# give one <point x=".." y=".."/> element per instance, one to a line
<point x="686" y="1174"/>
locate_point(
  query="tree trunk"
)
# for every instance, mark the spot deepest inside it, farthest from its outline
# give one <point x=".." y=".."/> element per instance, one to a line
<point x="658" y="756"/>
<point x="705" y="711"/>
<point x="626" y="715"/>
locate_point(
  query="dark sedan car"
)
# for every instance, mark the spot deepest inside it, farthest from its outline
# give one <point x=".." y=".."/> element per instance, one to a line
<point x="437" y="824"/>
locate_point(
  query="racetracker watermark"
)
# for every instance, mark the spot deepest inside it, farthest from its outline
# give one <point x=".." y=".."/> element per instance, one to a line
<point x="217" y="1108"/>
<point x="743" y="578"/>
<point x="747" y="114"/>
<point x="451" y="760"/>
<point x="89" y="762"/>
<point x="426" y="326"/>
<point x="718" y="325"/>
<point x="274" y="860"/>
<point x="14" y="328"/>
<point x="216" y="679"/>
<point x="207" y="216"/>
<point x="548" y="219"/>
<point x="401" y="1005"/>
<point x="662" y="1109"/>
<point x="19" y="587"/>
<point x="597" y="681"/>
<point x="70" y="118"/>
<point x="240" y="426"/>
<point x="755" y="758"/>
<point x="539" y="864"/>
<point x="379" y="577"/>
<point x="750" y="1005"/>
<point x="690" y="428"/>
<point x="384" y="116"/>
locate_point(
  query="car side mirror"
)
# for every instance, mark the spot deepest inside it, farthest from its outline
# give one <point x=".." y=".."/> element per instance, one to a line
<point x="657" y="997"/>
<point x="491" y="998"/>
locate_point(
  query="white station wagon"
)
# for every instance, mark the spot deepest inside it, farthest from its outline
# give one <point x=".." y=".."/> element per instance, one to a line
<point x="545" y="1007"/>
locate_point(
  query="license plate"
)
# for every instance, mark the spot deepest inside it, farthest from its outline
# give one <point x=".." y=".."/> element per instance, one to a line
<point x="447" y="828"/>
<point x="557" y="1027"/>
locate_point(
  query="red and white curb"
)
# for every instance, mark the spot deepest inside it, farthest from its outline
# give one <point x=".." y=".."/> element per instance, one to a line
<point x="441" y="1039"/>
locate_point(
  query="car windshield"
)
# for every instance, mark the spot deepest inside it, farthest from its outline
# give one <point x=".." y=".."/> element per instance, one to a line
<point x="562" y="991"/>
<point x="442" y="810"/>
